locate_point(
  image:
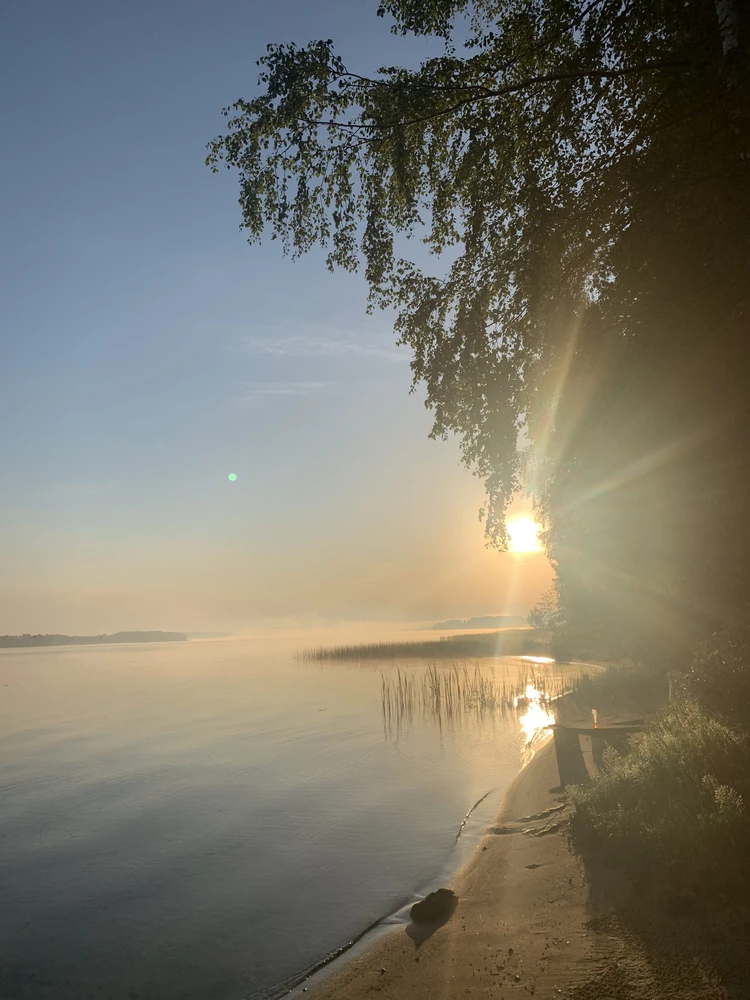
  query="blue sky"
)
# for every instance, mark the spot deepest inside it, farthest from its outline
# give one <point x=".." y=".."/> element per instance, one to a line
<point x="148" y="351"/>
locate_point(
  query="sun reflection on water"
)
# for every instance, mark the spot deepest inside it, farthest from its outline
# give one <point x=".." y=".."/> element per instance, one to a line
<point x="537" y="716"/>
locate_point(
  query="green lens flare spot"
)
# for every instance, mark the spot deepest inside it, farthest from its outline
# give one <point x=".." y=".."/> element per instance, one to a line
<point x="232" y="476"/>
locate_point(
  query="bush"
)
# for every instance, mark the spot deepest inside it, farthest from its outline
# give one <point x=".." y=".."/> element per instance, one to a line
<point x="622" y="688"/>
<point x="675" y="799"/>
<point x="719" y="676"/>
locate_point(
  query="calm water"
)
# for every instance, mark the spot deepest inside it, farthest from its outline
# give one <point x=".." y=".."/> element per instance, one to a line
<point x="207" y="820"/>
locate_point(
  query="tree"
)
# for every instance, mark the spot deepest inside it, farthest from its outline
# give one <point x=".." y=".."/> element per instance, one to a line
<point x="584" y="163"/>
<point x="547" y="615"/>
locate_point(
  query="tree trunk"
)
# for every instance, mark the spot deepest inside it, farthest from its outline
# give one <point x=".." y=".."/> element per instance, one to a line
<point x="728" y="12"/>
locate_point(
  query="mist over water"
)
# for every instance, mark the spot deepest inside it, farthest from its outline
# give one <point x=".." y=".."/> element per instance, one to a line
<point x="209" y="819"/>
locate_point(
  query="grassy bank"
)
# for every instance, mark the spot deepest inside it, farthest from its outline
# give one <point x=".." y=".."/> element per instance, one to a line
<point x="510" y="642"/>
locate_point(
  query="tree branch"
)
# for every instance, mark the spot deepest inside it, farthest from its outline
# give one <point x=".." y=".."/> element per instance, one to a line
<point x="485" y="94"/>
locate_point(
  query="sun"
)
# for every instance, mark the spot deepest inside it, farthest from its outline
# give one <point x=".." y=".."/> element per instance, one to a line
<point x="524" y="535"/>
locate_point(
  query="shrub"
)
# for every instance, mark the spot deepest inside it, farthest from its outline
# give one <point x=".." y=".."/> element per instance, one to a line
<point x="676" y="798"/>
<point x="719" y="676"/>
<point x="622" y="688"/>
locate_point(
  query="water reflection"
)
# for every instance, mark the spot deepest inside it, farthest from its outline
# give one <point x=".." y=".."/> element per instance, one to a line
<point x="222" y="792"/>
<point x="537" y="715"/>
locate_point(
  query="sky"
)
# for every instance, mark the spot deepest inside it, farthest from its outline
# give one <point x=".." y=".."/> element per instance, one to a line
<point x="147" y="352"/>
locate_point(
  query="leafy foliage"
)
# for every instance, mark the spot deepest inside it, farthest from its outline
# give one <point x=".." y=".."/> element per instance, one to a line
<point x="677" y="798"/>
<point x="579" y="171"/>
<point x="719" y="676"/>
<point x="547" y="614"/>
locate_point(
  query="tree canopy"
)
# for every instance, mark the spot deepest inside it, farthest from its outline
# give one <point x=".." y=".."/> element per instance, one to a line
<point x="579" y="170"/>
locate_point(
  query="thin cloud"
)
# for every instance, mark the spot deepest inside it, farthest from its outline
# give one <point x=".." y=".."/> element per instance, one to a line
<point x="291" y="346"/>
<point x="256" y="391"/>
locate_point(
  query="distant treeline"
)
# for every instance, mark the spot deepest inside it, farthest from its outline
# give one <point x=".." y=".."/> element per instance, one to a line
<point x="483" y="621"/>
<point x="82" y="640"/>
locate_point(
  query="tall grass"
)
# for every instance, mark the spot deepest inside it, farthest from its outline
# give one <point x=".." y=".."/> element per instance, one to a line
<point x="510" y="642"/>
<point x="443" y="693"/>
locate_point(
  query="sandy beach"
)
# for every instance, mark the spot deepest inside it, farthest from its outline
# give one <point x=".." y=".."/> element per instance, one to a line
<point x="531" y="920"/>
<point x="517" y="927"/>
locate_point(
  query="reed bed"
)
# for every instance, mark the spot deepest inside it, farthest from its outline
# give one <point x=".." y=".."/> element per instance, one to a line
<point x="444" y="693"/>
<point x="510" y="642"/>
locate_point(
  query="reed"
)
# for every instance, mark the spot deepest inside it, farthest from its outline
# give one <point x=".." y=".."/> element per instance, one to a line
<point x="510" y="642"/>
<point x="444" y="692"/>
<point x="398" y="697"/>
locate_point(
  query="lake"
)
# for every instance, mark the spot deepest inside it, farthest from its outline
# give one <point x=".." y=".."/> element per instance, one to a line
<point x="207" y="820"/>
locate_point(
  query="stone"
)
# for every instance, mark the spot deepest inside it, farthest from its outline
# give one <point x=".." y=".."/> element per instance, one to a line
<point x="434" y="908"/>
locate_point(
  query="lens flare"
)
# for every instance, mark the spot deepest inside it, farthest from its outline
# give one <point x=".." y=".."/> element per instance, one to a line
<point x="232" y="476"/>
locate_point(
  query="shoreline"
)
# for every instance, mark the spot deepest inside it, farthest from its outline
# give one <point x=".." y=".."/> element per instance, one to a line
<point x="533" y="918"/>
<point x="494" y="937"/>
<point x="467" y="842"/>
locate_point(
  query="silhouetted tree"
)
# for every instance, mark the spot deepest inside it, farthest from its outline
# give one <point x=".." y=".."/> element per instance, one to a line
<point x="547" y="614"/>
<point x="584" y="165"/>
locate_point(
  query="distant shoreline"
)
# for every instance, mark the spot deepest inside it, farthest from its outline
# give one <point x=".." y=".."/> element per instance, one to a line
<point x="481" y="621"/>
<point x="26" y="640"/>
